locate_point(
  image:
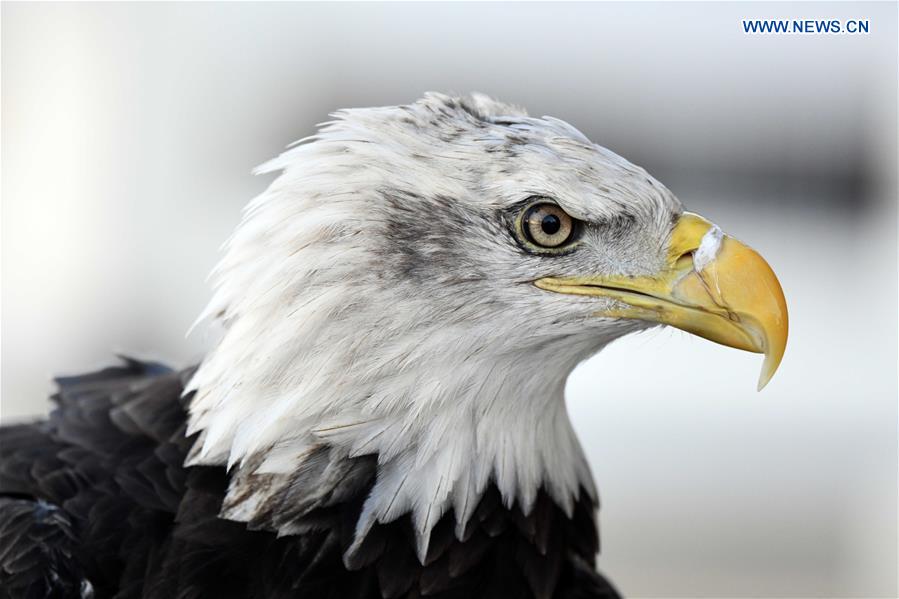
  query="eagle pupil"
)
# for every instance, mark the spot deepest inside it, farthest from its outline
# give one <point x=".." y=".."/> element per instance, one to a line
<point x="551" y="224"/>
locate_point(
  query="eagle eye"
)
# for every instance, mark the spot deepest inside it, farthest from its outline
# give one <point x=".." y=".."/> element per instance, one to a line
<point x="544" y="226"/>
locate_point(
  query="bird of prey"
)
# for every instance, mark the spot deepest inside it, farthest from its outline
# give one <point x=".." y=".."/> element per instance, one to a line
<point x="382" y="414"/>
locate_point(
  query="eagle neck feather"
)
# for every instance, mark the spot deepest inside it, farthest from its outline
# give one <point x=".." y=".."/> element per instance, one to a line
<point x="507" y="426"/>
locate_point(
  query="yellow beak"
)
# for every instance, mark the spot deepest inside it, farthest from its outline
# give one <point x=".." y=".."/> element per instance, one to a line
<point x="712" y="286"/>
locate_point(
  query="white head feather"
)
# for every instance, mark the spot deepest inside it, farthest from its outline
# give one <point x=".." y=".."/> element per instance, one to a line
<point x="375" y="300"/>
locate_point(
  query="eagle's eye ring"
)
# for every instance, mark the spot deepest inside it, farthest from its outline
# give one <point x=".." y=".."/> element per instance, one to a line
<point x="545" y="228"/>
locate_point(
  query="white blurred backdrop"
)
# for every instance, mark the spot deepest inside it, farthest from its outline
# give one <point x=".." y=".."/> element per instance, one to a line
<point x="128" y="136"/>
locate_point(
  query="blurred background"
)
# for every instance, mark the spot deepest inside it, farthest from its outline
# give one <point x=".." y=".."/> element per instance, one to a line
<point x="128" y="136"/>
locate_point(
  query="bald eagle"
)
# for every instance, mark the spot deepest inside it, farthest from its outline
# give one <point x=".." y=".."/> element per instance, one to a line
<point x="383" y="414"/>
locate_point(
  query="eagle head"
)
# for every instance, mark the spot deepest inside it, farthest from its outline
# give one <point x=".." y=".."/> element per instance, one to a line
<point x="418" y="283"/>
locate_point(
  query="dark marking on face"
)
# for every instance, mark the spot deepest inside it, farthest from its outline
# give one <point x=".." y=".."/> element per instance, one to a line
<point x="429" y="238"/>
<point x="619" y="226"/>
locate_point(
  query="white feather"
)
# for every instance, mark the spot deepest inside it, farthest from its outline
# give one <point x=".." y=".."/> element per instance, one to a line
<point x="452" y="384"/>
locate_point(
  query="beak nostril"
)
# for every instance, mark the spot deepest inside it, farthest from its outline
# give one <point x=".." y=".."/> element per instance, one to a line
<point x="685" y="260"/>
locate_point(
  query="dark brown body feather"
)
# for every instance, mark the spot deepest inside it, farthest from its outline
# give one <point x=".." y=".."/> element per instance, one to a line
<point x="95" y="502"/>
